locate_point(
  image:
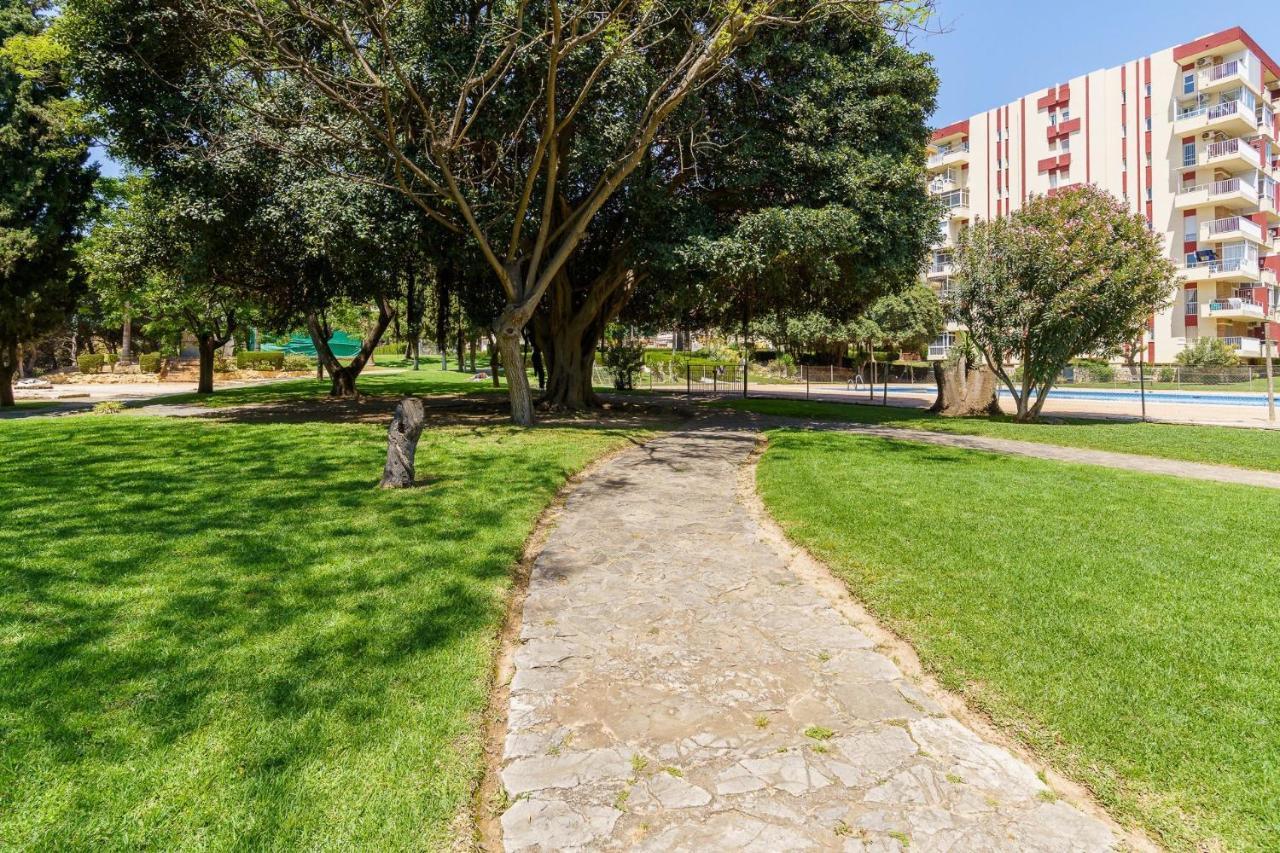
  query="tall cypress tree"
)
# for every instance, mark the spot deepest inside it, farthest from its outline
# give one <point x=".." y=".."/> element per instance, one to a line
<point x="45" y="184"/>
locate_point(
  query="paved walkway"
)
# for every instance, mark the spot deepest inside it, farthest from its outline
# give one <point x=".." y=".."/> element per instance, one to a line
<point x="678" y="688"/>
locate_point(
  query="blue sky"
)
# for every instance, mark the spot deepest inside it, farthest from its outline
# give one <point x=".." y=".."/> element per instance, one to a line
<point x="993" y="51"/>
<point x="990" y="52"/>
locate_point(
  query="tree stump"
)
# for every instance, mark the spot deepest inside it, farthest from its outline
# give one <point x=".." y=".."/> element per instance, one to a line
<point x="963" y="390"/>
<point x="402" y="443"/>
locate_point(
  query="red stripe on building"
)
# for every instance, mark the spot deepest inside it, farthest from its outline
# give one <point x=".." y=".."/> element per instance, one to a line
<point x="1191" y="48"/>
<point x="952" y="130"/>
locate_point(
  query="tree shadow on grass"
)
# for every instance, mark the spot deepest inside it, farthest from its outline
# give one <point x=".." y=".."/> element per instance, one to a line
<point x="168" y="582"/>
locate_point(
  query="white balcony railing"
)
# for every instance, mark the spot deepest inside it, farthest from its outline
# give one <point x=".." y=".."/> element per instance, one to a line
<point x="1231" y="224"/>
<point x="1220" y="72"/>
<point x="1243" y="345"/>
<point x="955" y="199"/>
<point x="1236" y="305"/>
<point x="1222" y="110"/>
<point x="1224" y="265"/>
<point x="943" y="153"/>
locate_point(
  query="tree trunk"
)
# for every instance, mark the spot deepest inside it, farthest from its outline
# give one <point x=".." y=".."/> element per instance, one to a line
<point x="126" y="338"/>
<point x="506" y="332"/>
<point x="343" y="379"/>
<point x="208" y="345"/>
<point x="8" y="366"/>
<point x="964" y="391"/>
<point x="402" y="443"/>
<point x="495" y="361"/>
<point x="569" y="356"/>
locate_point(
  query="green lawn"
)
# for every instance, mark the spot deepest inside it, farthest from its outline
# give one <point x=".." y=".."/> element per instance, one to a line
<point x="220" y="635"/>
<point x="1242" y="447"/>
<point x="402" y="379"/>
<point x="1127" y="626"/>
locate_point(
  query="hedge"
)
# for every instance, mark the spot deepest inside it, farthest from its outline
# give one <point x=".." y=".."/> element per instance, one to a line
<point x="259" y="360"/>
<point x="149" y="362"/>
<point x="91" y="362"/>
<point x="297" y="363"/>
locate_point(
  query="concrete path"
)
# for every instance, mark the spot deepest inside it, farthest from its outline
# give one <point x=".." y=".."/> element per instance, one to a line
<point x="677" y="687"/>
<point x="1077" y="455"/>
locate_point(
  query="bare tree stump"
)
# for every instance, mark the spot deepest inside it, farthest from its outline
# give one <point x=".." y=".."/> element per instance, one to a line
<point x="963" y="390"/>
<point x="402" y="443"/>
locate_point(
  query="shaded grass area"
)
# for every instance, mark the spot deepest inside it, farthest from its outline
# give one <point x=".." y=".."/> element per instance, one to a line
<point x="1112" y="620"/>
<point x="430" y="379"/>
<point x="1241" y="447"/>
<point x="222" y="636"/>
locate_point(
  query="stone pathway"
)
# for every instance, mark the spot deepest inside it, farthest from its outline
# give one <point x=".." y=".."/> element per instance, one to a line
<point x="678" y="688"/>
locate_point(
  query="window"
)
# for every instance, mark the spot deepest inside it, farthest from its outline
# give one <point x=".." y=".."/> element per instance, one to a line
<point x="1053" y="119"/>
<point x="1124" y="96"/>
<point x="1189" y="83"/>
<point x="1065" y="145"/>
<point x="1148" y="193"/>
<point x="1053" y="180"/>
<point x="1188" y="153"/>
<point x="1190" y="231"/>
<point x="1148" y="90"/>
<point x="1124" y="130"/>
<point x="1148" y="123"/>
<point x="1066" y="115"/>
<point x="1192" y="298"/>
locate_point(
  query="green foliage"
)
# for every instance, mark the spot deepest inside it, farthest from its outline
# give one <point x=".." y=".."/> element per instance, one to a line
<point x="297" y="363"/>
<point x="149" y="362"/>
<point x="222" y="364"/>
<point x="1208" y="352"/>
<point x="1094" y="370"/>
<point x="1166" y="374"/>
<point x="246" y="360"/>
<point x="90" y="362"/>
<point x="108" y="407"/>
<point x="45" y="185"/>
<point x="908" y="320"/>
<point x="390" y="351"/>
<point x="1063" y="277"/>
<point x="623" y="356"/>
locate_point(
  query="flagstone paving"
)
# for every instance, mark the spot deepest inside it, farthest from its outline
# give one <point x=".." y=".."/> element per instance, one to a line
<point x="677" y="687"/>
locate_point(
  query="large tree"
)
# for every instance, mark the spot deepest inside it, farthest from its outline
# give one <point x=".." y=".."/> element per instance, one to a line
<point x="512" y="125"/>
<point x="45" y="184"/>
<point x="1068" y="275"/>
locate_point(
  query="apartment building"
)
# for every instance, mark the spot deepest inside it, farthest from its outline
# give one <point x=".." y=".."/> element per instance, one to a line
<point x="1187" y="137"/>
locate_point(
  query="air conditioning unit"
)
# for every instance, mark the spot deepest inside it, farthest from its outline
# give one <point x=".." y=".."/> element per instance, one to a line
<point x="1203" y="61"/>
<point x="1208" y="134"/>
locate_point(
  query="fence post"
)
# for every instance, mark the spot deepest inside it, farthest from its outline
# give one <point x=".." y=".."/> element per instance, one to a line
<point x="746" y="364"/>
<point x="688" y="381"/>
<point x="715" y="381"/>
<point x="833" y="375"/>
<point x="805" y="369"/>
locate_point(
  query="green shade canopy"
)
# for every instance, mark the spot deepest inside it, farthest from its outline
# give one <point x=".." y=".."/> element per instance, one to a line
<point x="342" y="345"/>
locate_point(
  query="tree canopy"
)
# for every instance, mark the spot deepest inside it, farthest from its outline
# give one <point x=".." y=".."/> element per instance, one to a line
<point x="45" y="184"/>
<point x="1066" y="276"/>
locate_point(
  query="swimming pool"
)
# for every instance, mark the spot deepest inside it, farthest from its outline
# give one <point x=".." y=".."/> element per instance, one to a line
<point x="1115" y="395"/>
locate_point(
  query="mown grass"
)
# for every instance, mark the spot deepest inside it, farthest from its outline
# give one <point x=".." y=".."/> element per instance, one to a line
<point x="1241" y="447"/>
<point x="1124" y="625"/>
<point x="430" y="379"/>
<point x="220" y="635"/>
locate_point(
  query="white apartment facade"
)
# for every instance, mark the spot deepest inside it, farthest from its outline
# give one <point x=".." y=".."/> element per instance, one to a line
<point x="1187" y="137"/>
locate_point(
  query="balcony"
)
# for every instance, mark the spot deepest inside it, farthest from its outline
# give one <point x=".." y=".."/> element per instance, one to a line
<point x="1227" y="269"/>
<point x="1228" y="75"/>
<point x="1231" y="154"/>
<point x="1235" y="308"/>
<point x="1228" y="116"/>
<point x="1246" y="347"/>
<point x="940" y="269"/>
<point x="956" y="203"/>
<point x="958" y="153"/>
<point x="1266" y="122"/>
<point x="1231" y="228"/>
<point x="1233" y="193"/>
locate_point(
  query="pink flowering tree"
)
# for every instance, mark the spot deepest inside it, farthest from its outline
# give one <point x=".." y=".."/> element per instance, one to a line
<point x="1066" y="276"/>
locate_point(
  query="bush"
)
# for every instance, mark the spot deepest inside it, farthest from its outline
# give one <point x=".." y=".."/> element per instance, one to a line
<point x="108" y="407"/>
<point x="1094" y="371"/>
<point x="389" y="351"/>
<point x="149" y="362"/>
<point x="1166" y="374"/>
<point x="91" y="363"/>
<point x="113" y="359"/>
<point x="259" y="360"/>
<point x="1208" y="352"/>
<point x="297" y="363"/>
<point x="222" y="364"/>
<point x="624" y="359"/>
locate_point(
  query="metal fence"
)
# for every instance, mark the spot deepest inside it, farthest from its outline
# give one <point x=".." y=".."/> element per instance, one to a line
<point x="1168" y="377"/>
